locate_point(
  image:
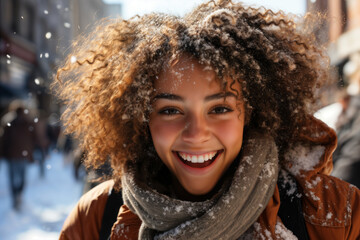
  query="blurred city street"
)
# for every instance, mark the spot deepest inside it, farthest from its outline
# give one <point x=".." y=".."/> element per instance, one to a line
<point x="36" y="38"/>
<point x="46" y="201"/>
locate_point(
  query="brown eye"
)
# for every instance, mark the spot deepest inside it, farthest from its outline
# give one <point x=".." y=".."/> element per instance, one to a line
<point x="221" y="110"/>
<point x="169" y="111"/>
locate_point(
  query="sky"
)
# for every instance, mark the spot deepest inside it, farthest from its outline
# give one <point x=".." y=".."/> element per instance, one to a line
<point x="179" y="7"/>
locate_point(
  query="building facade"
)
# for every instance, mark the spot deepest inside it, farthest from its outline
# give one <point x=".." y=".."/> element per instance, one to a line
<point x="342" y="33"/>
<point x="35" y="36"/>
<point x="31" y="31"/>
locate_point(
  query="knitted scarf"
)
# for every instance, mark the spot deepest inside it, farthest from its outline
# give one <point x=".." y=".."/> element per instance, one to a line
<point x="227" y="215"/>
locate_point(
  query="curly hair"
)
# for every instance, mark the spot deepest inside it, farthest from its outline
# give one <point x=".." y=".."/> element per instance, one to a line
<point x="107" y="83"/>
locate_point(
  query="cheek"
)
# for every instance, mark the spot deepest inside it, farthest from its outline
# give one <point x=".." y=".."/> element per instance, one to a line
<point x="231" y="133"/>
<point x="164" y="133"/>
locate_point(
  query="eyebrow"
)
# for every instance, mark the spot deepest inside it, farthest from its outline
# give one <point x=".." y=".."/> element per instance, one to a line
<point x="175" y="97"/>
<point x="220" y="95"/>
<point x="168" y="96"/>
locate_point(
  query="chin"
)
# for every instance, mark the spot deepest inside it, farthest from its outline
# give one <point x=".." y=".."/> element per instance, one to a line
<point x="199" y="191"/>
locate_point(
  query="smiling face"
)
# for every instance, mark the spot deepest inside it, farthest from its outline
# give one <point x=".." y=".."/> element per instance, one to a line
<point x="196" y="127"/>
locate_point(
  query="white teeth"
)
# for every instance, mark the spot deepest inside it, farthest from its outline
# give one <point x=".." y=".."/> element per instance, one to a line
<point x="197" y="158"/>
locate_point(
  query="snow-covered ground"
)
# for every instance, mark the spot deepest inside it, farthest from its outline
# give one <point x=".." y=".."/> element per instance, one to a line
<point x="46" y="202"/>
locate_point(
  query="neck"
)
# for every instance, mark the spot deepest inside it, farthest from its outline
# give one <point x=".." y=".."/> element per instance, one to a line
<point x="179" y="192"/>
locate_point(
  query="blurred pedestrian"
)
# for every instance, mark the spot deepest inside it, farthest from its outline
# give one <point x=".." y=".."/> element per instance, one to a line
<point x="53" y="131"/>
<point x="347" y="155"/>
<point x="67" y="146"/>
<point x="18" y="144"/>
<point x="42" y="143"/>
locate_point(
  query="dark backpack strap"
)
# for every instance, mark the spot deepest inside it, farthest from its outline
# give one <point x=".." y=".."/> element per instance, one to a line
<point x="113" y="204"/>
<point x="290" y="211"/>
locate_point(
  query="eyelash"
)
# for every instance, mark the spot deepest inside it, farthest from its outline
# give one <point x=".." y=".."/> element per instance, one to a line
<point x="226" y="108"/>
<point x="173" y="111"/>
<point x="166" y="111"/>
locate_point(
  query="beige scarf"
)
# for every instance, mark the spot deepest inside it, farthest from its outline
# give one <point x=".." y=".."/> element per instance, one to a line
<point x="227" y="216"/>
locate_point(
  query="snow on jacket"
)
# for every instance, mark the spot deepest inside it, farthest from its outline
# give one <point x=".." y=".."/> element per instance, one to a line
<point x="331" y="207"/>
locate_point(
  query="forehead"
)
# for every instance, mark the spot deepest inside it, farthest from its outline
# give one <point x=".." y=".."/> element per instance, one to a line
<point x="186" y="74"/>
<point x="186" y="70"/>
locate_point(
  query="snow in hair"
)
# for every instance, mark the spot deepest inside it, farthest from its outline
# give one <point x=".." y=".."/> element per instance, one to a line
<point x="220" y="12"/>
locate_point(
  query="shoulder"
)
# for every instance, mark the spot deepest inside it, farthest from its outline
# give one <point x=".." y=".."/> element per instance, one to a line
<point x="97" y="196"/>
<point x="332" y="203"/>
<point x="7" y="118"/>
<point x="84" y="221"/>
<point x="127" y="225"/>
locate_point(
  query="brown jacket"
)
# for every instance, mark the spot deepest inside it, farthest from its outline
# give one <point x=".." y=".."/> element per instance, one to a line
<point x="331" y="207"/>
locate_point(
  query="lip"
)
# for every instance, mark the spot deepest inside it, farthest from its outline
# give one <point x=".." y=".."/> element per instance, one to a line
<point x="198" y="168"/>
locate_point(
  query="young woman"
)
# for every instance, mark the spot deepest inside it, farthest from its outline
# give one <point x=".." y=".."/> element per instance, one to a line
<point x="207" y="122"/>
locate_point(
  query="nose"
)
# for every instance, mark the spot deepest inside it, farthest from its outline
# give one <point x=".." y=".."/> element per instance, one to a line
<point x="196" y="129"/>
